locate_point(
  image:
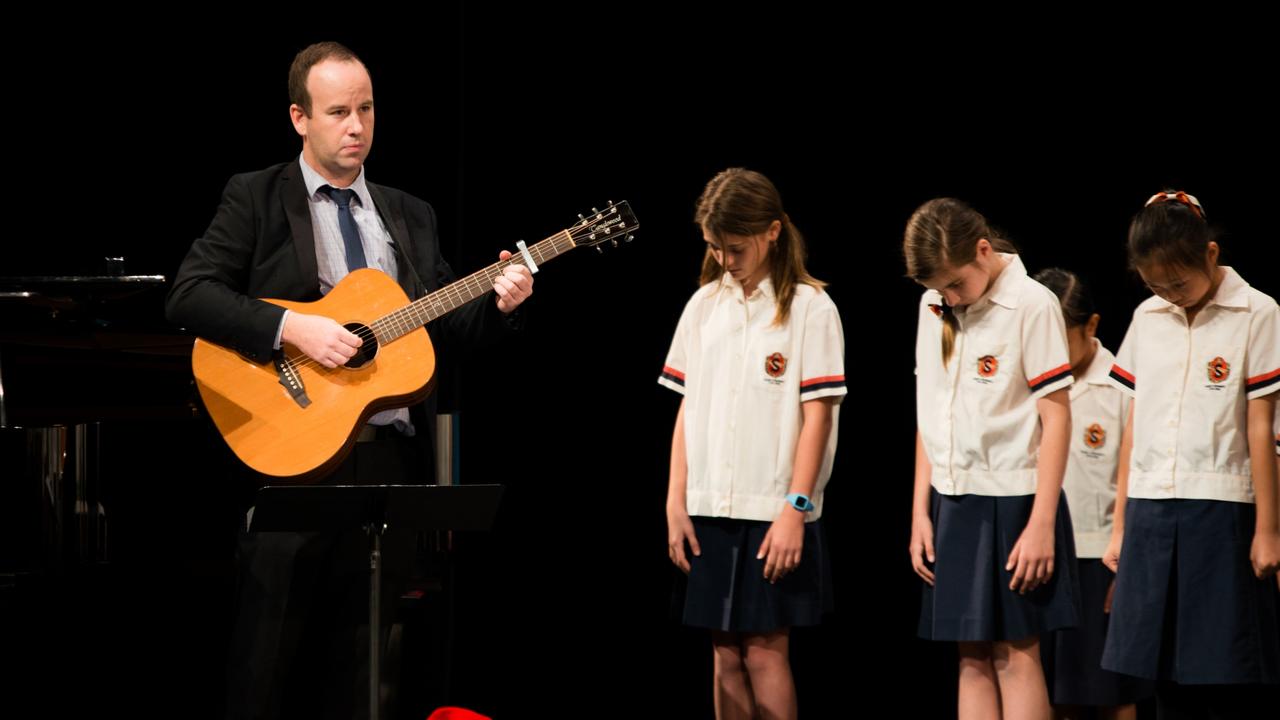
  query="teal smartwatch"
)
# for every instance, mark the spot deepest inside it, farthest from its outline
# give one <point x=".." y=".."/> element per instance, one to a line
<point x="801" y="502"/>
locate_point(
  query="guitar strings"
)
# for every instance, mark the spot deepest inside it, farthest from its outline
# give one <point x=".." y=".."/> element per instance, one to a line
<point x="453" y="292"/>
<point x="450" y="293"/>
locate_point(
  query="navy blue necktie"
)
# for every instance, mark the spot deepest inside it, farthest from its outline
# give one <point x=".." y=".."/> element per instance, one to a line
<point x="350" y="233"/>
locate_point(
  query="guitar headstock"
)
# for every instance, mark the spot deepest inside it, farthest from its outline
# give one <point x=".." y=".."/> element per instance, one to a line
<point x="612" y="224"/>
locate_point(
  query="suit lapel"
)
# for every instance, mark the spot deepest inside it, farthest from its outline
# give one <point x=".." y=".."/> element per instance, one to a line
<point x="394" y="222"/>
<point x="293" y="194"/>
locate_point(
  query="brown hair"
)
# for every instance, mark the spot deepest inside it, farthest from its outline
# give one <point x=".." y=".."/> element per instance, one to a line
<point x="943" y="233"/>
<point x="308" y="58"/>
<point x="745" y="203"/>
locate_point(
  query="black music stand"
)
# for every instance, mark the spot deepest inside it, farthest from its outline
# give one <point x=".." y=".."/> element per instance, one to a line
<point x="375" y="508"/>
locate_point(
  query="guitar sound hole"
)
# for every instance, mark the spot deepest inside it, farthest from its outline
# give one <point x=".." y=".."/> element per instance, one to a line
<point x="366" y="352"/>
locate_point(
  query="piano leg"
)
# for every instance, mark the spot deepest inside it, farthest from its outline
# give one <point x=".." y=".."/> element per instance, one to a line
<point x="63" y="460"/>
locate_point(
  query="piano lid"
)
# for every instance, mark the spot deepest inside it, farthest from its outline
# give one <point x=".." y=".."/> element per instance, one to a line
<point x="87" y="348"/>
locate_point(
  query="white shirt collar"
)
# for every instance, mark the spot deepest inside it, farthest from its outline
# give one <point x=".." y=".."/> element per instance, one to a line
<point x="764" y="289"/>
<point x="315" y="181"/>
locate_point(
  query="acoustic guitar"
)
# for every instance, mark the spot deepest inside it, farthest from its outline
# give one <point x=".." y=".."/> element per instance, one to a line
<point x="292" y="418"/>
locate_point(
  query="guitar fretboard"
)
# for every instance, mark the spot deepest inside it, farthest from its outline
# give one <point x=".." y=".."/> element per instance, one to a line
<point x="447" y="299"/>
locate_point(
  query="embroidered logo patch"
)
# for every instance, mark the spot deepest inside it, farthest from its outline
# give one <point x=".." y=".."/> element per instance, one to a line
<point x="1095" y="436"/>
<point x="1219" y="370"/>
<point x="775" y="365"/>
<point x="987" y="366"/>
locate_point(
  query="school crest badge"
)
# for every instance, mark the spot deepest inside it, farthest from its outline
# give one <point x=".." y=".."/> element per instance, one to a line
<point x="1219" y="370"/>
<point x="1095" y="436"/>
<point x="988" y="366"/>
<point x="775" y="365"/>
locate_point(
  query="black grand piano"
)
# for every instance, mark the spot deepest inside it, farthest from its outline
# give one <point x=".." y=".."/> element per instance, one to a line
<point x="118" y="520"/>
<point x="80" y="357"/>
<point x="116" y="533"/>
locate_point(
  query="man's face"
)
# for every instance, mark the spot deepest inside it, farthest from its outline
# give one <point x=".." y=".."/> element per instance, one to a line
<point x="338" y="133"/>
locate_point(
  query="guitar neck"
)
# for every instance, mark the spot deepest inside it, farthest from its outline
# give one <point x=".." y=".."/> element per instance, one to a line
<point x="453" y="296"/>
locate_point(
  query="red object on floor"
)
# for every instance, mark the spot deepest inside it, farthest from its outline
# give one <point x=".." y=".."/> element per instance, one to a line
<point x="456" y="713"/>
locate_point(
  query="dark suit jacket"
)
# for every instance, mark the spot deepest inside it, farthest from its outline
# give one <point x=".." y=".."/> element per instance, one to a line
<point x="261" y="244"/>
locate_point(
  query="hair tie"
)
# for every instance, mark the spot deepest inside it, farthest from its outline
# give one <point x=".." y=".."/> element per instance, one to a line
<point x="1181" y="197"/>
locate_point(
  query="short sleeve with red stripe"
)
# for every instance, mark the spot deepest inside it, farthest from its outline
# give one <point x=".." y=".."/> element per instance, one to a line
<point x="676" y="365"/>
<point x="1124" y="370"/>
<point x="1044" y="347"/>
<point x="1262" y="360"/>
<point x="822" y="351"/>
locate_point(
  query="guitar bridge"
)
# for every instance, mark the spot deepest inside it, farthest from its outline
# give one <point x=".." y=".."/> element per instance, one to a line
<point x="292" y="382"/>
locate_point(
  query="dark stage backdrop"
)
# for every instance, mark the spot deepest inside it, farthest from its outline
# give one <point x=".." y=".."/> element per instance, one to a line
<point x="510" y="124"/>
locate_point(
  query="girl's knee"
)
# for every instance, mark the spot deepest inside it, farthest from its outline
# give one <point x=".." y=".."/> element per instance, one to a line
<point x="728" y="651"/>
<point x="767" y="652"/>
<point x="1018" y="653"/>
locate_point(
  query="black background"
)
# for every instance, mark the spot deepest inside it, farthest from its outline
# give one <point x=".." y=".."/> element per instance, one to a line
<point x="511" y="122"/>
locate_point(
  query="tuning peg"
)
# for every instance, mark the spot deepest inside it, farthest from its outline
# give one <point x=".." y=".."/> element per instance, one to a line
<point x="629" y="237"/>
<point x="580" y="217"/>
<point x="599" y="249"/>
<point x="595" y="210"/>
<point x="614" y="241"/>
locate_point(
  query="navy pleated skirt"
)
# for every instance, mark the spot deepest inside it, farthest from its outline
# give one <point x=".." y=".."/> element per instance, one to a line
<point x="1073" y="657"/>
<point x="726" y="589"/>
<point x="970" y="600"/>
<point x="1187" y="606"/>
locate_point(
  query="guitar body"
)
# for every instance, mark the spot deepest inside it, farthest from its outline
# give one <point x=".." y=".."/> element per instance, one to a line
<point x="270" y="430"/>
<point x="292" y="419"/>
